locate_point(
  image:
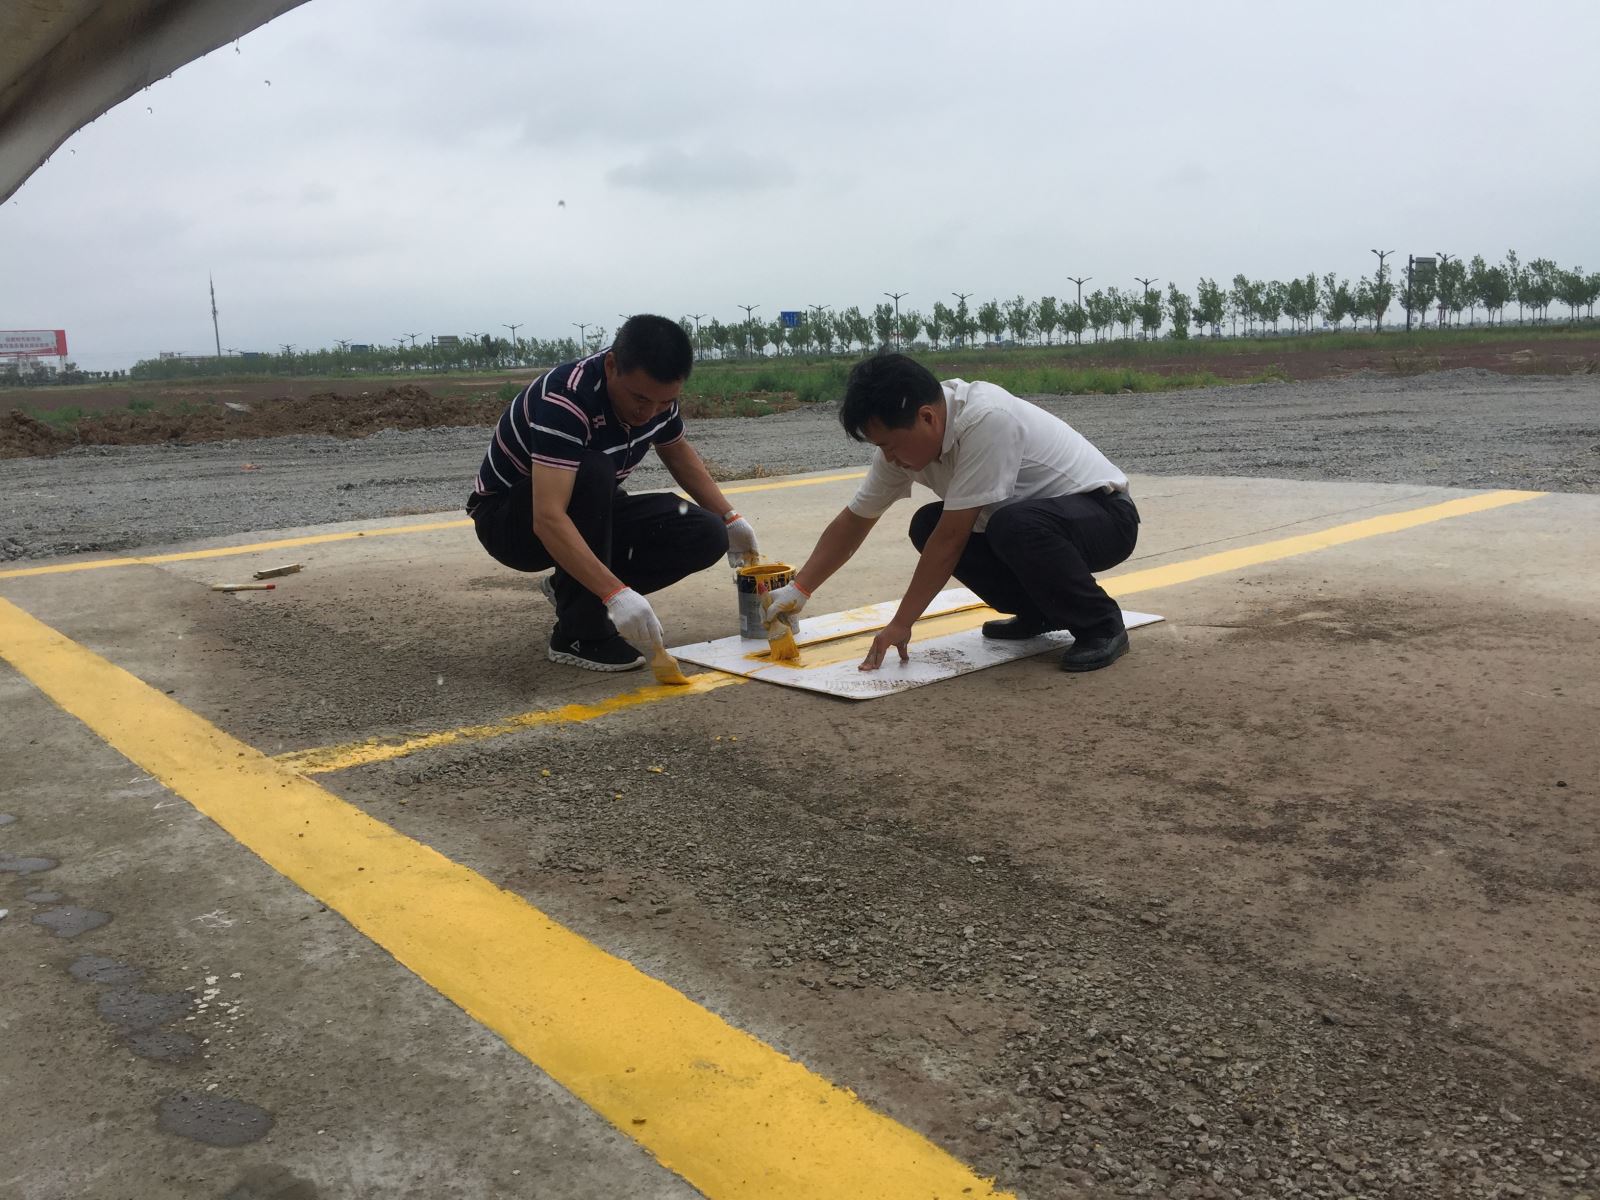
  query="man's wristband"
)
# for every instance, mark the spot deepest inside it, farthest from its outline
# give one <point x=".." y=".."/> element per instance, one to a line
<point x="729" y="517"/>
<point x="613" y="595"/>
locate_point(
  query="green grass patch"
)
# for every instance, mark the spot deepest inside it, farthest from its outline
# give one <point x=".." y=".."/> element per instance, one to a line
<point x="56" y="418"/>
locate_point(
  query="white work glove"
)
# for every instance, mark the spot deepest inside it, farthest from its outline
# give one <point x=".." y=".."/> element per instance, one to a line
<point x="782" y="607"/>
<point x="742" y="550"/>
<point x="635" y="620"/>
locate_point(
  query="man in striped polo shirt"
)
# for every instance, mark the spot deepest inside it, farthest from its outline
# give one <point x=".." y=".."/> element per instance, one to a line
<point x="549" y="493"/>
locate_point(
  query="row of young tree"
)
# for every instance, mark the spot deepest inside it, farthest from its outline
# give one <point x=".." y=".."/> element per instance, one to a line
<point x="1257" y="306"/>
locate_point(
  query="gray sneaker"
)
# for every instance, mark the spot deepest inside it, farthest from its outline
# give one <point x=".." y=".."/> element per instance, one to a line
<point x="547" y="585"/>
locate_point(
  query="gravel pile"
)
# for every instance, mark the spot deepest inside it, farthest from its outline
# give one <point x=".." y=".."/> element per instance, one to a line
<point x="1469" y="429"/>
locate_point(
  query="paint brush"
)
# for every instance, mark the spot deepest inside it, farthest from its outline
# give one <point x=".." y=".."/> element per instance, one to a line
<point x="666" y="667"/>
<point x="780" y="646"/>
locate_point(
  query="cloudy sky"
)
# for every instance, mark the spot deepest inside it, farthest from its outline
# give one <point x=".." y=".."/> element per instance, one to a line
<point x="403" y="170"/>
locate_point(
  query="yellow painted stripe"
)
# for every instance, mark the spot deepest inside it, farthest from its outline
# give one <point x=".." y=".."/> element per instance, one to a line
<point x="146" y="560"/>
<point x="323" y="759"/>
<point x="830" y="650"/>
<point x="320" y="539"/>
<point x="734" y="1117"/>
<point x="778" y="485"/>
<point x="1323" y="539"/>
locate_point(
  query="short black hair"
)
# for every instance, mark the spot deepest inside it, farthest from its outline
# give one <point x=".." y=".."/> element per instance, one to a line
<point x="889" y="388"/>
<point x="656" y="345"/>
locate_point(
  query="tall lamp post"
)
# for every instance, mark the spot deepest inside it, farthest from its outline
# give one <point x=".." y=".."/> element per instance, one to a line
<point x="1080" y="281"/>
<point x="1146" y="283"/>
<point x="962" y="297"/>
<point x="1378" y="279"/>
<point x="514" y="352"/>
<point x="748" y="318"/>
<point x="816" y="316"/>
<point x="895" y="296"/>
<point x="583" y="335"/>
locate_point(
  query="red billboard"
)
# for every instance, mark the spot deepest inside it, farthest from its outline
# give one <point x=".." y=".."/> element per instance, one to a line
<point x="33" y="343"/>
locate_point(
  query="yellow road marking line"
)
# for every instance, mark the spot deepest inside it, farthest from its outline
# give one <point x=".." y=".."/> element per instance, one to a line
<point x="323" y="759"/>
<point x="320" y="539"/>
<point x="146" y="560"/>
<point x="337" y="758"/>
<point x="734" y="1117"/>
<point x="1305" y="543"/>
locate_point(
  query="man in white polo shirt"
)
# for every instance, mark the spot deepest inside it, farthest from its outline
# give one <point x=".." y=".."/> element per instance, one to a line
<point x="1029" y="510"/>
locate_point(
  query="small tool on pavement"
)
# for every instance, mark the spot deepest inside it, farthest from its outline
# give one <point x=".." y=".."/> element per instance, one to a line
<point x="242" y="587"/>
<point x="274" y="572"/>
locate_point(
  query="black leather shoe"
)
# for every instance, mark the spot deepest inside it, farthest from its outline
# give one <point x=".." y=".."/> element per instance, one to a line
<point x="1090" y="654"/>
<point x="1014" y="629"/>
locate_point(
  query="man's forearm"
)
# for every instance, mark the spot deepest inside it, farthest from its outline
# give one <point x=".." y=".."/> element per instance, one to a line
<point x="934" y="568"/>
<point x="838" y="543"/>
<point x="689" y="470"/>
<point x="561" y="538"/>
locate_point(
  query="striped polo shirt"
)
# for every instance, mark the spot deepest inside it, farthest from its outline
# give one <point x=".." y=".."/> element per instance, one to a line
<point x="557" y="419"/>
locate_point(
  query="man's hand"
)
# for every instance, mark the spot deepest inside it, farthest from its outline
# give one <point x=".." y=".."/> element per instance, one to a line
<point x="635" y="620"/>
<point x="782" y="607"/>
<point x="742" y="551"/>
<point x="896" y="634"/>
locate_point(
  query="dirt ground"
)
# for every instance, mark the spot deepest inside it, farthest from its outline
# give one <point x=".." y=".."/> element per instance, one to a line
<point x="191" y="413"/>
<point x="1298" y="899"/>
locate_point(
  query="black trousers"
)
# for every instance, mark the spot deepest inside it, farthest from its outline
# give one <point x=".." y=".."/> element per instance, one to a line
<point x="1036" y="558"/>
<point x="647" y="541"/>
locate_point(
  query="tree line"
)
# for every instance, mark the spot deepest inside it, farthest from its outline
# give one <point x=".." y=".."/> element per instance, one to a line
<point x="1446" y="290"/>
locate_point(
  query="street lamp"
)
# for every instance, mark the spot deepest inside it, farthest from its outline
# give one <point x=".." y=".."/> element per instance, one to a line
<point x="1147" y="283"/>
<point x="962" y="297"/>
<point x="413" y="337"/>
<point x="583" y="334"/>
<point x="1080" y="281"/>
<point x="816" y="319"/>
<point x="1378" y="279"/>
<point x="895" y="296"/>
<point x="749" y="309"/>
<point x="514" y="329"/>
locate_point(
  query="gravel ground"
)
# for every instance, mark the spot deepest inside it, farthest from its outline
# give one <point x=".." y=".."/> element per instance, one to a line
<point x="1456" y="429"/>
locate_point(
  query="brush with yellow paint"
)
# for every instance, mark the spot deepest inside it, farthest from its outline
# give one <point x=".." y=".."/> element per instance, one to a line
<point x="755" y="583"/>
<point x="666" y="667"/>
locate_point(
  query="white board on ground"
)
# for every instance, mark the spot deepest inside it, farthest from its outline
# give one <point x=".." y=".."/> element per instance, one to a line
<point x="947" y="641"/>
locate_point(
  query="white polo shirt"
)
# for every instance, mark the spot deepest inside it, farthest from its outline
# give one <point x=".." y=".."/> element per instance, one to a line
<point x="997" y="449"/>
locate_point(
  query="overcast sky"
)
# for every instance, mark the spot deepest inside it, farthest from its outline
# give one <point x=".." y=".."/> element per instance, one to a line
<point x="403" y="170"/>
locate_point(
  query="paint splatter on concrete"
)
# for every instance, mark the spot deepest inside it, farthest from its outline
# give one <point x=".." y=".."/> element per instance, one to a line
<point x="213" y="1119"/>
<point x="69" y="920"/>
<point x="6" y="819"/>
<point x="41" y="897"/>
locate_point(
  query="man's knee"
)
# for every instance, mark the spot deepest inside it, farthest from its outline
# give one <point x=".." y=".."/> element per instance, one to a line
<point x="1009" y="524"/>
<point x="923" y="522"/>
<point x="597" y="478"/>
<point x="705" y="537"/>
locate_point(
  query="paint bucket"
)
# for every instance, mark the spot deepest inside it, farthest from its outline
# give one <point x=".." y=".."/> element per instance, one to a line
<point x="753" y="583"/>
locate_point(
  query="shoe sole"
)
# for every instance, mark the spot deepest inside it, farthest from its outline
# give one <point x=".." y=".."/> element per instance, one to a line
<point x="1100" y="665"/>
<point x="589" y="664"/>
